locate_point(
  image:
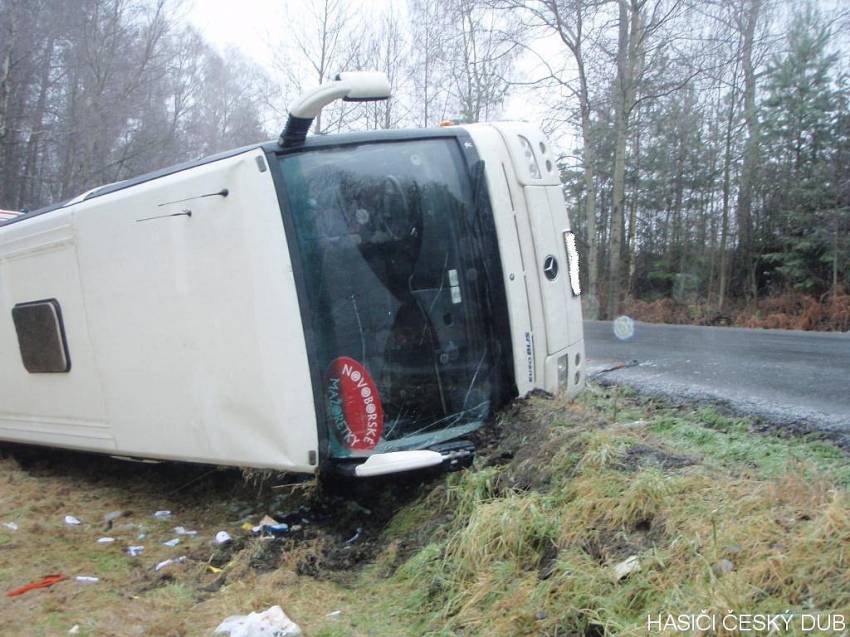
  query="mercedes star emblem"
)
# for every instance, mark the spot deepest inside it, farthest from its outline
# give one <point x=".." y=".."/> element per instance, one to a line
<point x="550" y="267"/>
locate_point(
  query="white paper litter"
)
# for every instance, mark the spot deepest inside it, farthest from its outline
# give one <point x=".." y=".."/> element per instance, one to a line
<point x="165" y="563"/>
<point x="173" y="542"/>
<point x="180" y="530"/>
<point x="71" y="520"/>
<point x="270" y="623"/>
<point x="87" y="579"/>
<point x="135" y="551"/>
<point x="105" y="540"/>
<point x="162" y="515"/>
<point x="12" y="526"/>
<point x="74" y="630"/>
<point x="627" y="567"/>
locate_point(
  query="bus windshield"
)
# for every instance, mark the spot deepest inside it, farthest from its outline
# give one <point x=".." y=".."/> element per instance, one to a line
<point x="396" y="297"/>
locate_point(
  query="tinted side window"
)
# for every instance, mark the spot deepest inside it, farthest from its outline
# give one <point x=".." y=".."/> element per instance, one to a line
<point x="41" y="336"/>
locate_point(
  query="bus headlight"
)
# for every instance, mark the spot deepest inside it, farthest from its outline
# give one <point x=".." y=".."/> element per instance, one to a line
<point x="563" y="369"/>
<point x="530" y="158"/>
<point x="572" y="262"/>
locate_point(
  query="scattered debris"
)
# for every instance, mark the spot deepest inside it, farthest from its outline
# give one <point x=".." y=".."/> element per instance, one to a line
<point x="213" y="569"/>
<point x="172" y="543"/>
<point x="354" y="537"/>
<point x="169" y="562"/>
<point x="627" y="567"/>
<point x="141" y="536"/>
<point x="223" y="537"/>
<point x="162" y="515"/>
<point x="87" y="579"/>
<point x="105" y="540"/>
<point x="180" y="530"/>
<point x="45" y="582"/>
<point x="135" y="551"/>
<point x="272" y="623"/>
<point x="269" y="526"/>
<point x="615" y="367"/>
<point x="334" y="615"/>
<point x="12" y="526"/>
<point x="74" y="630"/>
<point x="70" y="520"/>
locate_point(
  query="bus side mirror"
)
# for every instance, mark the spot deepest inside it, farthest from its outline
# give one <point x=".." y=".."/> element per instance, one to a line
<point x="365" y="86"/>
<point x="352" y="86"/>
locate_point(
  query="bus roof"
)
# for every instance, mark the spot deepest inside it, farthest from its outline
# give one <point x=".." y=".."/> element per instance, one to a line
<point x="314" y="141"/>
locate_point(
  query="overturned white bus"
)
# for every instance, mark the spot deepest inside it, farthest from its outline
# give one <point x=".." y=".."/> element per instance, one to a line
<point x="363" y="301"/>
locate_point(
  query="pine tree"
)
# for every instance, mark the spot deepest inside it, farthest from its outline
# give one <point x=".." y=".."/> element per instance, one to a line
<point x="800" y="115"/>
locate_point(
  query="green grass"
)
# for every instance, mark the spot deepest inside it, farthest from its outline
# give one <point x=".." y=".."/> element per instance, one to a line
<point x="777" y="508"/>
<point x="728" y="442"/>
<point x="525" y="547"/>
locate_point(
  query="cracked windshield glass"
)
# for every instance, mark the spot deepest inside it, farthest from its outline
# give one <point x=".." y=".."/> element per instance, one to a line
<point x="395" y="304"/>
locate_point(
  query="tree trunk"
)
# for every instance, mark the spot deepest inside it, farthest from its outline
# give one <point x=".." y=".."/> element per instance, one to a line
<point x="624" y="92"/>
<point x="750" y="17"/>
<point x="632" y="238"/>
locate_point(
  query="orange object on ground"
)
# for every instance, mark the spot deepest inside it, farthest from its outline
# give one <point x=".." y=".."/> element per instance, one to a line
<point x="48" y="580"/>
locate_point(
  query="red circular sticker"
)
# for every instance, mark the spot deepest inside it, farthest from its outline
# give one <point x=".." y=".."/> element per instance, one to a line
<point x="354" y="404"/>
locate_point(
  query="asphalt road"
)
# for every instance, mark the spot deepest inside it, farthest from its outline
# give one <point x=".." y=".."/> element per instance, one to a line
<point x="789" y="378"/>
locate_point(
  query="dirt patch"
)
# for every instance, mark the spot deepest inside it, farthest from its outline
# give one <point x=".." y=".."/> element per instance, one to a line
<point x="641" y="456"/>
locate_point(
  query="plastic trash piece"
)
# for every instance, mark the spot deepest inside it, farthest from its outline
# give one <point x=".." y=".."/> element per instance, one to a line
<point x="223" y="537"/>
<point x="354" y="537"/>
<point x="12" y="526"/>
<point x="74" y="630"/>
<point x="135" y="551"/>
<point x="70" y="520"/>
<point x="334" y="615"/>
<point x="270" y="623"/>
<point x="87" y="579"/>
<point x="172" y="543"/>
<point x="45" y="582"/>
<point x="247" y="526"/>
<point x="162" y="515"/>
<point x="169" y="562"/>
<point x="269" y="526"/>
<point x="105" y="540"/>
<point x="214" y="569"/>
<point x="180" y="530"/>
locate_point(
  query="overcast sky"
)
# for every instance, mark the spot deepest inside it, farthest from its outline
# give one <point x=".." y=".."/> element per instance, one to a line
<point x="253" y="25"/>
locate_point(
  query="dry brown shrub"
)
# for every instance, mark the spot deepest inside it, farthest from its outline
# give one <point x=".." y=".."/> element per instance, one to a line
<point x="797" y="311"/>
<point x="786" y="311"/>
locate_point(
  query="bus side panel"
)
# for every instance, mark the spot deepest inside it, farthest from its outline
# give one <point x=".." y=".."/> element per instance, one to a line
<point x="38" y="262"/>
<point x="195" y="321"/>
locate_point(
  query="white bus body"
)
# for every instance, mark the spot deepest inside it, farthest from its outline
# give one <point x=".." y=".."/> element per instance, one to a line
<point x="353" y="297"/>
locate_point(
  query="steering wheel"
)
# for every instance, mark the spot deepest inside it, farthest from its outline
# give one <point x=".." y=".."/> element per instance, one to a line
<point x="395" y="219"/>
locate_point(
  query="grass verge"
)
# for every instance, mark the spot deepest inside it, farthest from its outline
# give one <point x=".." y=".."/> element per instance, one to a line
<point x="527" y="542"/>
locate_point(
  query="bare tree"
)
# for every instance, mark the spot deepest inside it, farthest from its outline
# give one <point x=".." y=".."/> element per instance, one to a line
<point x="324" y="42"/>
<point x="479" y="53"/>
